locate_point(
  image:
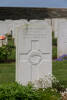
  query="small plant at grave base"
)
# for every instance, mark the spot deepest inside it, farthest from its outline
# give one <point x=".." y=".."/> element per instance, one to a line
<point x="7" y="53"/>
<point x="16" y="91"/>
<point x="49" y="81"/>
<point x="43" y="82"/>
<point x="57" y="85"/>
<point x="61" y="58"/>
<point x="64" y="57"/>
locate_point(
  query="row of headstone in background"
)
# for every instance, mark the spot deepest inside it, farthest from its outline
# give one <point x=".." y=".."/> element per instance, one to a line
<point x="10" y="26"/>
<point x="59" y="27"/>
<point x="7" y="26"/>
<point x="59" y="32"/>
<point x="62" y="38"/>
<point x="55" y="26"/>
<point x="34" y="50"/>
<point x="34" y="45"/>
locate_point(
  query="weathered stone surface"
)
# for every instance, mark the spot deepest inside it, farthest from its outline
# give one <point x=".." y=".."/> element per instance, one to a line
<point x="3" y="27"/>
<point x="16" y="24"/>
<point x="62" y="37"/>
<point x="34" y="51"/>
<point x="55" y="26"/>
<point x="9" y="24"/>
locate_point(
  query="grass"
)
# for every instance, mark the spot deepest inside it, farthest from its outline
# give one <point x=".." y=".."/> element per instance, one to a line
<point x="59" y="67"/>
<point x="54" y="52"/>
<point x="10" y="41"/>
<point x="60" y="71"/>
<point x="12" y="57"/>
<point x="7" y="72"/>
<point x="13" y="53"/>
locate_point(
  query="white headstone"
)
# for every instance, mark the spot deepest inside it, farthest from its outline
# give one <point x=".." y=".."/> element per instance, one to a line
<point x="34" y="51"/>
<point x="9" y="24"/>
<point x="16" y="24"/>
<point x="55" y="26"/>
<point x="3" y="27"/>
<point x="62" y="37"/>
<point x="49" y="21"/>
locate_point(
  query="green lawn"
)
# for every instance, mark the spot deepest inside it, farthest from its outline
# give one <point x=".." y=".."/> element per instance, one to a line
<point x="10" y="41"/>
<point x="60" y="71"/>
<point x="54" y="52"/>
<point x="7" y="72"/>
<point x="13" y="52"/>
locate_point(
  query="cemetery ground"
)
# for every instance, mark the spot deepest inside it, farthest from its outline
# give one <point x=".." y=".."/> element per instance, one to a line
<point x="18" y="92"/>
<point x="7" y="72"/>
<point x="13" y="91"/>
